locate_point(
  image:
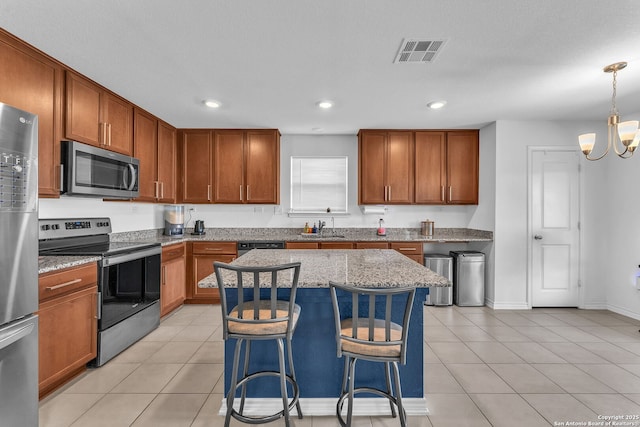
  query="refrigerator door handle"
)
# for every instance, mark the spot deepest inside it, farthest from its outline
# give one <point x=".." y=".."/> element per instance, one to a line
<point x="12" y="336"/>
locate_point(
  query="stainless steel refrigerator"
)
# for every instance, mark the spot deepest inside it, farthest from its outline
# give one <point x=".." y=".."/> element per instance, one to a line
<point x="18" y="267"/>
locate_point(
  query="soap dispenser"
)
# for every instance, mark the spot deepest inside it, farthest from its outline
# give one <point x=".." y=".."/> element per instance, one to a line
<point x="381" y="230"/>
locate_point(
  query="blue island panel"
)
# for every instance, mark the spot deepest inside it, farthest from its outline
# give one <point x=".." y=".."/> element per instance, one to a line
<point x="318" y="369"/>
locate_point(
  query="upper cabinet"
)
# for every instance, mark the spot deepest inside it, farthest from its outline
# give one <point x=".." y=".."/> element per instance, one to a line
<point x="33" y="82"/>
<point x="463" y="152"/>
<point x="447" y="167"/>
<point x="96" y="116"/>
<point x="154" y="145"/>
<point x="246" y="166"/>
<point x="418" y="167"/>
<point x="385" y="160"/>
<point x="195" y="165"/>
<point x="230" y="166"/>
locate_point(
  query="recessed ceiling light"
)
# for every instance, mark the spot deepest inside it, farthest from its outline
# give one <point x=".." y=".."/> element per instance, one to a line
<point x="435" y="105"/>
<point x="325" y="104"/>
<point x="212" y="104"/>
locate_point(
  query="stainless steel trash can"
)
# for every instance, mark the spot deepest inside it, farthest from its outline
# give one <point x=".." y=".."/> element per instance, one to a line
<point x="468" y="278"/>
<point x="443" y="265"/>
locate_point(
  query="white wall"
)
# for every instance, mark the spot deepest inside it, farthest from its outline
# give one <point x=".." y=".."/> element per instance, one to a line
<point x="510" y="237"/>
<point x="136" y="216"/>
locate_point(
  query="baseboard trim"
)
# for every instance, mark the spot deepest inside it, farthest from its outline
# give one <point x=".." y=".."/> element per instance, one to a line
<point x="623" y="311"/>
<point x="595" y="306"/>
<point x="374" y="406"/>
<point x="510" y="306"/>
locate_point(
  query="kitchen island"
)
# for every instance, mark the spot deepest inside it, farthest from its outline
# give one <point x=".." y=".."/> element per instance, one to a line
<point x="318" y="370"/>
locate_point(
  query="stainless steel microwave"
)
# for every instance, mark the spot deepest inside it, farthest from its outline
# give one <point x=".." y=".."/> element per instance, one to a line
<point x="94" y="172"/>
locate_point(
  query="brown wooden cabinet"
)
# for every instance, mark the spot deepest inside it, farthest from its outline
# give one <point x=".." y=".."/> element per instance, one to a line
<point x="96" y="116"/>
<point x="463" y="152"/>
<point x="246" y="166"/>
<point x="385" y="167"/>
<point x="446" y="167"/>
<point x="203" y="255"/>
<point x="196" y="160"/>
<point x="173" y="278"/>
<point x="67" y="337"/>
<point x="33" y="82"/>
<point x="412" y="250"/>
<point x="154" y="145"/>
<point x="301" y="245"/>
<point x="167" y="162"/>
<point x="335" y="245"/>
<point x="372" y="245"/>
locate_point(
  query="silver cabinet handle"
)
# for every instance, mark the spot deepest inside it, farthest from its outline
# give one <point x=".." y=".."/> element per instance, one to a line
<point x="389" y="193"/>
<point x="537" y="237"/>
<point x="450" y="193"/>
<point x="442" y="193"/>
<point x="241" y="193"/>
<point x="209" y="192"/>
<point x="248" y="193"/>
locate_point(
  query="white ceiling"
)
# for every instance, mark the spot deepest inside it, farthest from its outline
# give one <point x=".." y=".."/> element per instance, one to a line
<point x="270" y="61"/>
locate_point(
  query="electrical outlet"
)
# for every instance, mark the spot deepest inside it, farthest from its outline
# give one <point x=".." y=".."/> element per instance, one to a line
<point x="258" y="209"/>
<point x="277" y="210"/>
<point x="638" y="283"/>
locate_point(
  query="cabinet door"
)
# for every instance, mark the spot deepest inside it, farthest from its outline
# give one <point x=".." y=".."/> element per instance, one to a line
<point x="173" y="290"/>
<point x="117" y="115"/>
<point x="229" y="167"/>
<point x="67" y="336"/>
<point x="167" y="162"/>
<point x="262" y="167"/>
<point x="82" y="111"/>
<point x="145" y="149"/>
<point x="462" y="167"/>
<point x="372" y="168"/>
<point x="335" y="245"/>
<point x="33" y="83"/>
<point x="196" y="166"/>
<point x="430" y="167"/>
<point x="202" y="267"/>
<point x="399" y="169"/>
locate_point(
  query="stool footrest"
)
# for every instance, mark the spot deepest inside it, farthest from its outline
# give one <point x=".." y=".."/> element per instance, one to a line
<point x="357" y="390"/>
<point x="268" y="418"/>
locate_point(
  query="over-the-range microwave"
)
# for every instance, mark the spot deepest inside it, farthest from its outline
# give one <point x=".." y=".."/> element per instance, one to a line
<point x="95" y="172"/>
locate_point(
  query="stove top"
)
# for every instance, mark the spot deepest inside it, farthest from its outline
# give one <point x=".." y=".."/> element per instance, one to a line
<point x="82" y="236"/>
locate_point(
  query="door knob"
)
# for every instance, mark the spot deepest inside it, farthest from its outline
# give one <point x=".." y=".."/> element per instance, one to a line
<point x="537" y="237"/>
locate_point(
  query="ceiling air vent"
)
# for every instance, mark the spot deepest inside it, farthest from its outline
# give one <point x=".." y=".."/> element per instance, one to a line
<point x="418" y="51"/>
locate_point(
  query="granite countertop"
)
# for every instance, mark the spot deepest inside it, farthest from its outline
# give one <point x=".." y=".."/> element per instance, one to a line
<point x="441" y="235"/>
<point x="52" y="263"/>
<point x="381" y="268"/>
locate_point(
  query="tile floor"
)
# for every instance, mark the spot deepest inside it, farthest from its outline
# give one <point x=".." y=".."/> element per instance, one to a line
<point x="482" y="368"/>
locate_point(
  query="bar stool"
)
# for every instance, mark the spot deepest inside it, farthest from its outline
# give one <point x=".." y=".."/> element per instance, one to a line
<point x="260" y="315"/>
<point x="370" y="334"/>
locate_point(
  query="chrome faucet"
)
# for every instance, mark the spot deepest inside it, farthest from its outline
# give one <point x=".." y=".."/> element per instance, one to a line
<point x="321" y="225"/>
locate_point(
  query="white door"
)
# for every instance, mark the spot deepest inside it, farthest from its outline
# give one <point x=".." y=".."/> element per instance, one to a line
<point x="554" y="228"/>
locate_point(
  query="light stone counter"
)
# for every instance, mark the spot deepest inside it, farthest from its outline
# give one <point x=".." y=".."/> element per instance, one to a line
<point x="366" y="267"/>
<point x="47" y="264"/>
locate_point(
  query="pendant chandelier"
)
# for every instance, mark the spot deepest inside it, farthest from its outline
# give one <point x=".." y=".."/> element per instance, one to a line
<point x="625" y="134"/>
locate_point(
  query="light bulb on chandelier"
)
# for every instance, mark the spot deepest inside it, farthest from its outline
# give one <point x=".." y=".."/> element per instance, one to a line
<point x="624" y="133"/>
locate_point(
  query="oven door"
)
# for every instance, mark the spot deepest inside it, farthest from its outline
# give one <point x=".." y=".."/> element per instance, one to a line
<point x="128" y="283"/>
<point x="92" y="171"/>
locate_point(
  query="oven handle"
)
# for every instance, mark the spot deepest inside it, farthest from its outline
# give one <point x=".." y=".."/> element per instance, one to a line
<point x="130" y="256"/>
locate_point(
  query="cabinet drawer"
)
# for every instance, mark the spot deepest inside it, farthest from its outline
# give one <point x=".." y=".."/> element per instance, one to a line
<point x="214" y="248"/>
<point x="172" y="251"/>
<point x="372" y="245"/>
<point x="336" y="245"/>
<point x="67" y="280"/>
<point x="407" y="248"/>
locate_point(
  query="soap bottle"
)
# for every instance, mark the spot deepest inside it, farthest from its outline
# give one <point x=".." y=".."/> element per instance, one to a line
<point x="306" y="227"/>
<point x="314" y="230"/>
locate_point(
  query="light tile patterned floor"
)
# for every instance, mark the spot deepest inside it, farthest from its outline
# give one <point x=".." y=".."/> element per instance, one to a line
<point x="482" y="368"/>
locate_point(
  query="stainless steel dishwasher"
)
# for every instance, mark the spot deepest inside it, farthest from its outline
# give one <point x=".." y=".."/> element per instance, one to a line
<point x="246" y="245"/>
<point x="468" y="278"/>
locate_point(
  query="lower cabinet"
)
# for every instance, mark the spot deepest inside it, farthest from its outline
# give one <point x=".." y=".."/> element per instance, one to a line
<point x="202" y="255"/>
<point x="68" y="326"/>
<point x="411" y="249"/>
<point x="173" y="289"/>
